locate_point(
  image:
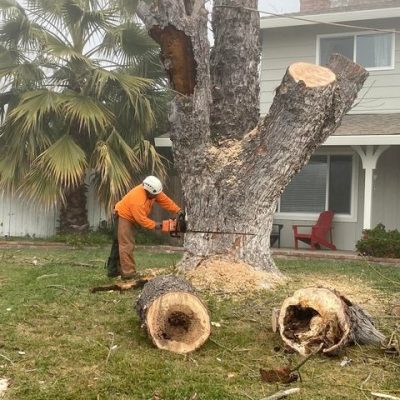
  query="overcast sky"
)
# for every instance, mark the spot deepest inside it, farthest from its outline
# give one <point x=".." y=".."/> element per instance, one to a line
<point x="278" y="6"/>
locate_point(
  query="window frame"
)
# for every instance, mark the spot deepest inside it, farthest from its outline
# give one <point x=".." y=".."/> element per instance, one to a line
<point x="352" y="217"/>
<point x="354" y="35"/>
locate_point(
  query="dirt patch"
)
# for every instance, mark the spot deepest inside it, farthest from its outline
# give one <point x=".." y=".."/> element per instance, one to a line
<point x="232" y="277"/>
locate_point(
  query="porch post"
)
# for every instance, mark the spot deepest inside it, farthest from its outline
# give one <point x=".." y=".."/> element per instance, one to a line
<point x="369" y="157"/>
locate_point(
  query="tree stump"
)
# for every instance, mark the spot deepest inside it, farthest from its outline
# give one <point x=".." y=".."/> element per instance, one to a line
<point x="175" y="318"/>
<point x="314" y="316"/>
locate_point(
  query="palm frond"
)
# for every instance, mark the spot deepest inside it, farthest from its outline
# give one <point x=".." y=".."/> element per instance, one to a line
<point x="12" y="170"/>
<point x="89" y="113"/>
<point x="19" y="30"/>
<point x="64" y="162"/>
<point x="132" y="86"/>
<point x="111" y="177"/>
<point x="33" y="107"/>
<point x="150" y="159"/>
<point x="10" y="8"/>
<point x="58" y="48"/>
<point x="128" y="42"/>
<point x="40" y="189"/>
<point x="126" y="7"/>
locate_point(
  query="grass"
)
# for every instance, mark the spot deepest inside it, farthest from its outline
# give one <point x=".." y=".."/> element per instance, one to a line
<point x="55" y="336"/>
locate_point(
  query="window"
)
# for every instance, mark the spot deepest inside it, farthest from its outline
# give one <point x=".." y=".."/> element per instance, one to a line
<point x="373" y="51"/>
<point x="325" y="183"/>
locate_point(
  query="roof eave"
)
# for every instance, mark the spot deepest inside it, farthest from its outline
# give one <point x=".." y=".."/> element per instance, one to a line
<point x="357" y="15"/>
<point x="345" y="140"/>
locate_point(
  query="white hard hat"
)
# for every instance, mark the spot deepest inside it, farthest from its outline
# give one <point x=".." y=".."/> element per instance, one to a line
<point x="152" y="184"/>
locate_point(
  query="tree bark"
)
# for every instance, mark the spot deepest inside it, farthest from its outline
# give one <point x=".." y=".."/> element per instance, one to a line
<point x="175" y="318"/>
<point x="73" y="214"/>
<point x="233" y="169"/>
<point x="315" y="316"/>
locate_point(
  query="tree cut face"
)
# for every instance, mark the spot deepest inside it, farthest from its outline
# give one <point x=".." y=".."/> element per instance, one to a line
<point x="314" y="316"/>
<point x="312" y="75"/>
<point x="176" y="319"/>
<point x="178" y="322"/>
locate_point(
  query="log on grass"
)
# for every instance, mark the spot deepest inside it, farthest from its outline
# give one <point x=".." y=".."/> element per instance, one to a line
<point x="314" y="316"/>
<point x="175" y="318"/>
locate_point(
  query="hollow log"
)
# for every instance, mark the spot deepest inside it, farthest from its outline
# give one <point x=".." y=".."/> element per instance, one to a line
<point x="314" y="316"/>
<point x="175" y="318"/>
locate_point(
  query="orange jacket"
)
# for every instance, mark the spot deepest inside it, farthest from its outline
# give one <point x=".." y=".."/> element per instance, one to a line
<point x="136" y="206"/>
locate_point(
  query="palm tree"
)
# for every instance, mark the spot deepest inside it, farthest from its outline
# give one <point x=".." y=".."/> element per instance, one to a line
<point x="80" y="89"/>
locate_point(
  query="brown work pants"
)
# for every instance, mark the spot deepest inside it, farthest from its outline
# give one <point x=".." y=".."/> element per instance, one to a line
<point x="126" y="245"/>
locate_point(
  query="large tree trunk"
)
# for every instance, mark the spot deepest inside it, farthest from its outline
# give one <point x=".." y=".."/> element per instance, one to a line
<point x="233" y="168"/>
<point x="73" y="214"/>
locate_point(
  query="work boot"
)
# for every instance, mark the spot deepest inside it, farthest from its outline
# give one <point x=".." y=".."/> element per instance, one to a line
<point x="112" y="267"/>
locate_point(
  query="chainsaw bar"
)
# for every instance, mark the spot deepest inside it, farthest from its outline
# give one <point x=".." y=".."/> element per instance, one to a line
<point x="221" y="233"/>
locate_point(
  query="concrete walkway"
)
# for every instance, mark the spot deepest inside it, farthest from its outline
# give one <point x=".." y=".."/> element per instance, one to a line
<point x="276" y="252"/>
<point x="331" y="255"/>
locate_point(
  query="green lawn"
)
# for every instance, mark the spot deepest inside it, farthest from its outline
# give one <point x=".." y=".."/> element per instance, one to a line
<point x="55" y="335"/>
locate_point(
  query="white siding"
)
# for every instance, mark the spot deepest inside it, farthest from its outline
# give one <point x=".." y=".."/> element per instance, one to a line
<point x="96" y="213"/>
<point x="17" y="218"/>
<point x="284" y="46"/>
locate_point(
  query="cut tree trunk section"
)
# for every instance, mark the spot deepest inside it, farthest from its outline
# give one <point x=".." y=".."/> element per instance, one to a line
<point x="175" y="318"/>
<point x="314" y="316"/>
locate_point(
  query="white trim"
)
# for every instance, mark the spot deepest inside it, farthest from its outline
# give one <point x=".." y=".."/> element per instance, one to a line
<point x="344" y="140"/>
<point x="369" y="157"/>
<point x="352" y="217"/>
<point x="358" y="15"/>
<point x="354" y="36"/>
<point x="162" y="142"/>
<point x="352" y="140"/>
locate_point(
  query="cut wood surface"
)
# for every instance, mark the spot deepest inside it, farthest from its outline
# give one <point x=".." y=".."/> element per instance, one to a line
<point x="312" y="75"/>
<point x="175" y="318"/>
<point x="314" y="316"/>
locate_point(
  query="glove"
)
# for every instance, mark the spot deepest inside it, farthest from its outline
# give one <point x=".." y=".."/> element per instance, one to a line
<point x="181" y="215"/>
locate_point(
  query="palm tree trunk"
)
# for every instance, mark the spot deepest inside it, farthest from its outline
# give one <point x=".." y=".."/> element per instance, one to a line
<point x="73" y="214"/>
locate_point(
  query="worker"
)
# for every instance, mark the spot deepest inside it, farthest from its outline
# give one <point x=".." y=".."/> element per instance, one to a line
<point x="132" y="210"/>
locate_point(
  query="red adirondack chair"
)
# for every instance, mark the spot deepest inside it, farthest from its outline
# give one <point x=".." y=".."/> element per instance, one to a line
<point x="318" y="234"/>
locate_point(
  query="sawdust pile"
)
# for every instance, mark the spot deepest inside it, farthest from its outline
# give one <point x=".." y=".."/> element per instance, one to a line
<point x="354" y="289"/>
<point x="232" y="277"/>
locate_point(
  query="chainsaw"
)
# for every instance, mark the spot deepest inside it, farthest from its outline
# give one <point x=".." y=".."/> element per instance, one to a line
<point x="176" y="226"/>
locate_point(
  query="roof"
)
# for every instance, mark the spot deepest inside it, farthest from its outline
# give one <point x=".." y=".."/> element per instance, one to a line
<point x="356" y="129"/>
<point x="369" y="124"/>
<point x="331" y="16"/>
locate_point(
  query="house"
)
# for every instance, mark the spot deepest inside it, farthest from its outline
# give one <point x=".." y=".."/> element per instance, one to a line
<point x="356" y="172"/>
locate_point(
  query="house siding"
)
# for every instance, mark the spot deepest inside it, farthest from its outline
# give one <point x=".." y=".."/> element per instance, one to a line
<point x="18" y="219"/>
<point x="284" y="46"/>
<point x="385" y="204"/>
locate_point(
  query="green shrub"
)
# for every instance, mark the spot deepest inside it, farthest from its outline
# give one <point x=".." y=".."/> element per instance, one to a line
<point x="378" y="242"/>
